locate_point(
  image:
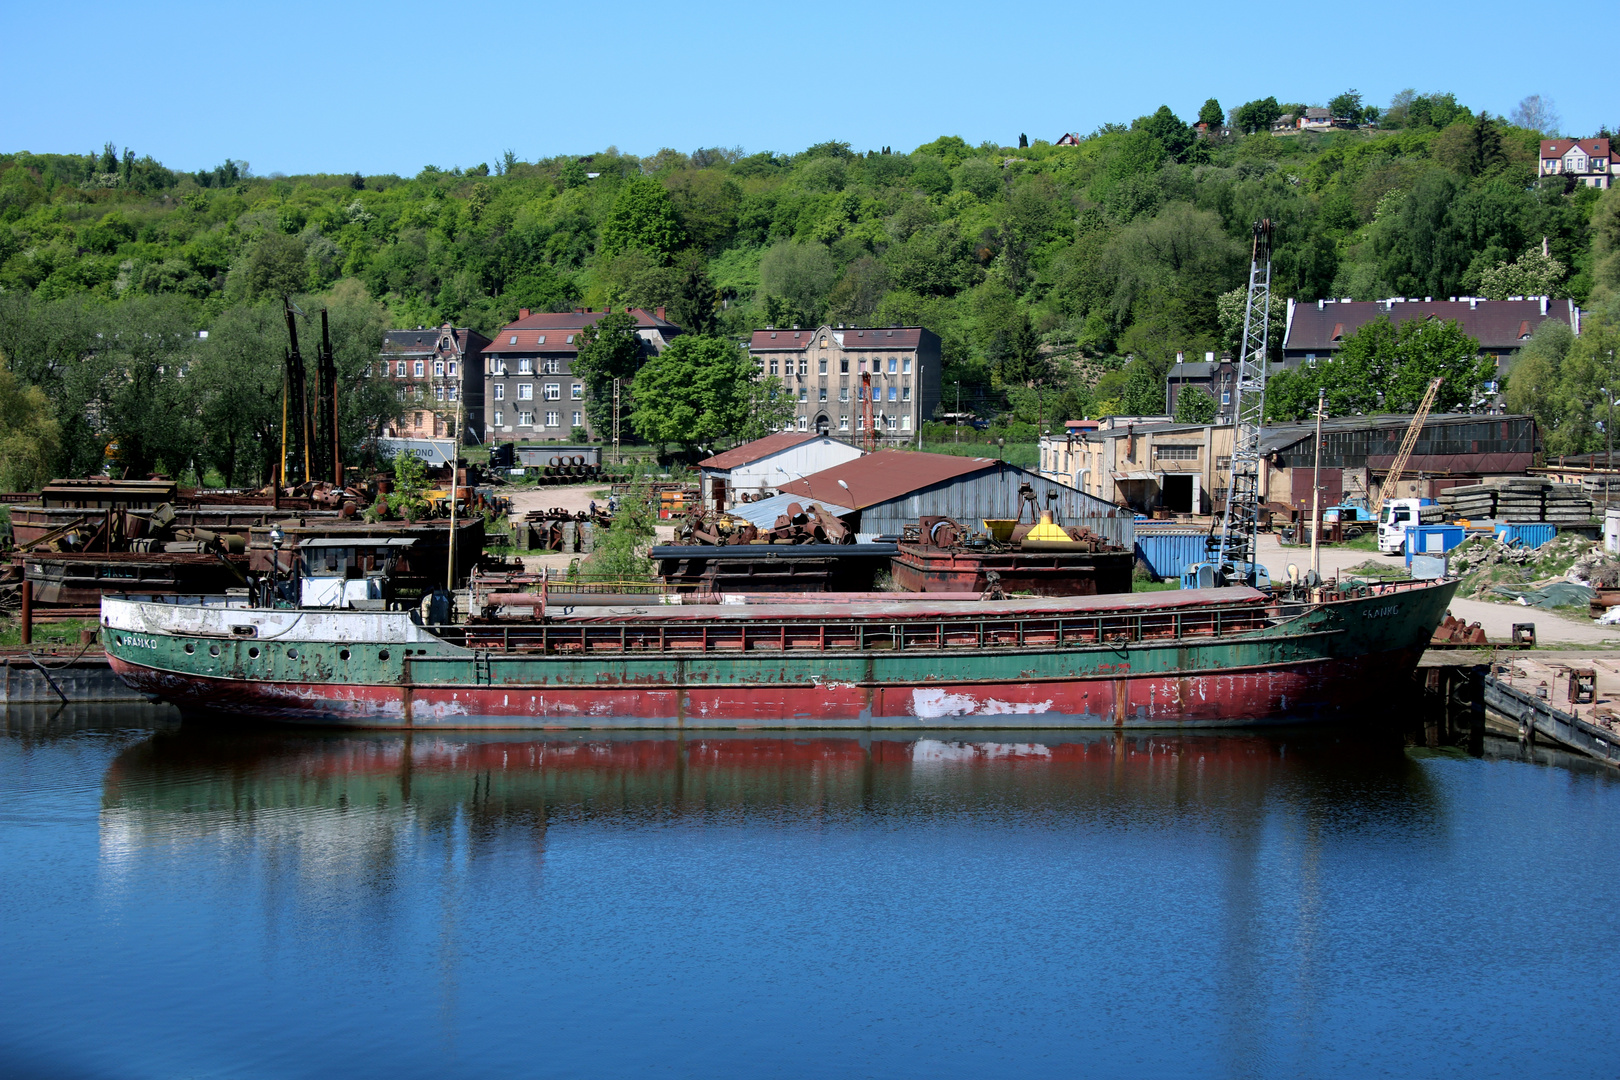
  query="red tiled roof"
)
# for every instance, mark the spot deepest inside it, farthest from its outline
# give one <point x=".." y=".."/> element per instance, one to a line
<point x="855" y="337"/>
<point x="759" y="448"/>
<point x="1496" y="324"/>
<point x="555" y="327"/>
<point x="887" y="474"/>
<point x="1551" y="148"/>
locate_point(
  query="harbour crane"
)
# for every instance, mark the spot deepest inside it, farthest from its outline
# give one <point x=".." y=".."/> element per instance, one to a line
<point x="1408" y="444"/>
<point x="1234" y="548"/>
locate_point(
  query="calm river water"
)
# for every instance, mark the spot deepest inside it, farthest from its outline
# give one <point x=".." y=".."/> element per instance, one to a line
<point x="187" y="903"/>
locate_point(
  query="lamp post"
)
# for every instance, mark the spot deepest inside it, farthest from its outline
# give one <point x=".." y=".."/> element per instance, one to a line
<point x="958" y="411"/>
<point x="1608" y="435"/>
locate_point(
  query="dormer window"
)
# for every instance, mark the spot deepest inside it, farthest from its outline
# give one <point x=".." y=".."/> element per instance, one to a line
<point x="570" y="339"/>
<point x="513" y="340"/>
<point x="540" y="340"/>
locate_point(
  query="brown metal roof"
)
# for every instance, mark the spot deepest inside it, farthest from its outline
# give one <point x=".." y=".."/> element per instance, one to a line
<point x="1551" y="148"/>
<point x="1498" y="325"/>
<point x="855" y="337"/>
<point x="549" y="331"/>
<point x="887" y="474"/>
<point x="759" y="448"/>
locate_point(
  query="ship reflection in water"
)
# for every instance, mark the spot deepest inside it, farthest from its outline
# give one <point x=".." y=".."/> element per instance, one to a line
<point x="1322" y="902"/>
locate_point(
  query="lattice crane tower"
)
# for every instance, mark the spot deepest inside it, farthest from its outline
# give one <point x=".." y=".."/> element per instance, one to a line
<point x="1235" y="553"/>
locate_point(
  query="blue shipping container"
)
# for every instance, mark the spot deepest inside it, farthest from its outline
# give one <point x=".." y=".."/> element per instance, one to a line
<point x="1531" y="534"/>
<point x="1432" y="540"/>
<point x="1169" y="554"/>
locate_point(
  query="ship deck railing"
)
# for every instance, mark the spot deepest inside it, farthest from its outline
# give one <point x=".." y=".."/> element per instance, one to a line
<point x="629" y="636"/>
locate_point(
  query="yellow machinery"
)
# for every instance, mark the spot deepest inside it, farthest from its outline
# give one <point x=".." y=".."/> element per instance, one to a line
<point x="1407" y="445"/>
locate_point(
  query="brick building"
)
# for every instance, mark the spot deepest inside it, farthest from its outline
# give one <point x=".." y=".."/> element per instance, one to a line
<point x="436" y="370"/>
<point x="829" y="370"/>
<point x="531" y="393"/>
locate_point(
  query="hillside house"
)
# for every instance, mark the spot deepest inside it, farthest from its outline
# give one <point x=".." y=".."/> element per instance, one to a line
<point x="1587" y="160"/>
<point x="438" y="374"/>
<point x="828" y="370"/>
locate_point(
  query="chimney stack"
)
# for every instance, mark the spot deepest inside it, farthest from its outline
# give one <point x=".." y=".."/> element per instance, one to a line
<point x="660" y="314"/>
<point x="523" y="313"/>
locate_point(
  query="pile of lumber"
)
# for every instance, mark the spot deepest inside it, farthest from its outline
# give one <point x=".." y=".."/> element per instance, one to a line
<point x="1519" y="501"/>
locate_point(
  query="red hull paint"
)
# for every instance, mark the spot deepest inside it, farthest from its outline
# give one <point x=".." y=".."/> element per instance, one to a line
<point x="1284" y="693"/>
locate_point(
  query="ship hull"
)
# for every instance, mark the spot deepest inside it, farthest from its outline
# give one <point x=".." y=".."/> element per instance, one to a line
<point x="379" y="671"/>
<point x="1291" y="693"/>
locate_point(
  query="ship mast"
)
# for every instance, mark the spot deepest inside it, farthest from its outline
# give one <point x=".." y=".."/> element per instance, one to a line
<point x="1235" y="550"/>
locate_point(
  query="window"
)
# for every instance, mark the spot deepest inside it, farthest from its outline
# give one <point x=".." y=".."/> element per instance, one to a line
<point x="512" y="340"/>
<point x="451" y="392"/>
<point x="863" y="364"/>
<point x="553" y="391"/>
<point x="421" y="369"/>
<point x="905" y="393"/>
<point x="1223" y="463"/>
<point x="526" y="391"/>
<point x="553" y="419"/>
<point x="417" y="422"/>
<point x="526" y="419"/>
<point x="804" y="367"/>
<point x="894" y="364"/>
<point x="500" y="392"/>
<point x="579" y="418"/>
<point x="1310" y="358"/>
<point x="438" y="393"/>
<point x="860" y="423"/>
<point x="1176" y="453"/>
<point x="894" y="393"/>
<point x="823" y="343"/>
<point x="804" y="393"/>
<point x="500" y="418"/>
<point x="893" y="422"/>
<point x="399" y="369"/>
<point x="774" y="365"/>
<point x="450" y="369"/>
<point x="905" y="366"/>
<point x="526" y="366"/>
<point x="804" y="423"/>
<point x="1226" y="397"/>
<point x="570" y="339"/>
<point x="843" y="423"/>
<point x="843" y="366"/>
<point x="905" y="423"/>
<point x="577" y="391"/>
<point x="497" y="367"/>
<point x="823" y="369"/>
<point x="823" y="393"/>
<point x="438" y="369"/>
<point x="549" y="366"/>
<point x="843" y="393"/>
<point x="540" y="339"/>
<point x="877" y="393"/>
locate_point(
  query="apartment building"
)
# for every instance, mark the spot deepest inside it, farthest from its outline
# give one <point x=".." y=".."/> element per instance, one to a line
<point x="839" y="376"/>
<point x="438" y="374"/>
<point x="531" y="393"/>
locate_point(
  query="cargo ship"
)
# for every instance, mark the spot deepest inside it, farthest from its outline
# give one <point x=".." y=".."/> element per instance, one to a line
<point x="1189" y="658"/>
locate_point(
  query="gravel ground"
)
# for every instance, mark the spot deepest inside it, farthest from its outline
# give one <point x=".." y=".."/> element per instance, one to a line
<point x="572" y="499"/>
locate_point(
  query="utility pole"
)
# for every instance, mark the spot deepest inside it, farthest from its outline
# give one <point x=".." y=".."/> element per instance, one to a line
<point x="1316" y="489"/>
<point x="455" y="458"/>
<point x="958" y="410"/>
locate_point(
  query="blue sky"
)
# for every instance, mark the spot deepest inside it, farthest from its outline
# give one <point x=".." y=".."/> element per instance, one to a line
<point x="332" y="87"/>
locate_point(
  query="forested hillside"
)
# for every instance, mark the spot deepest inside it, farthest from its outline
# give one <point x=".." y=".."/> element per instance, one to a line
<point x="1043" y="268"/>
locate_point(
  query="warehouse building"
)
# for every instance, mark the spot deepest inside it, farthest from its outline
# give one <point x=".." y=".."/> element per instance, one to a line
<point x="757" y="469"/>
<point x="893" y="488"/>
<point x="1187" y="468"/>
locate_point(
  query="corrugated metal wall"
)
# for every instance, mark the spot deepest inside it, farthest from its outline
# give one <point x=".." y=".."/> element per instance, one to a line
<point x="993" y="493"/>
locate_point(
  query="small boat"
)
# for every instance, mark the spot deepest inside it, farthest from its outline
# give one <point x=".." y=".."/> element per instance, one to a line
<point x="1188" y="658"/>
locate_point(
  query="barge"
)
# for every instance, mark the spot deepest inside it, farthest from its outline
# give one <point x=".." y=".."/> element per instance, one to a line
<point x="1194" y="658"/>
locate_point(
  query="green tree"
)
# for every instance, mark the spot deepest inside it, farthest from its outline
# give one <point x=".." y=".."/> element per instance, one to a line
<point x="1194" y="405"/>
<point x="620" y="553"/>
<point x="798" y="276"/>
<point x="1257" y="115"/>
<point x="275" y="266"/>
<point x="1534" y="274"/>
<point x="29" y="435"/>
<point x="1211" y="113"/>
<point x="1347" y="106"/>
<point x="1386" y="367"/>
<point x="1144" y="391"/>
<point x="696" y="392"/>
<point x="642" y="217"/>
<point x="608" y="349"/>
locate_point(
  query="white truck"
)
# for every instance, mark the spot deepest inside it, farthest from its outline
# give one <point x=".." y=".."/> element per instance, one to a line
<point x="1400" y="514"/>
